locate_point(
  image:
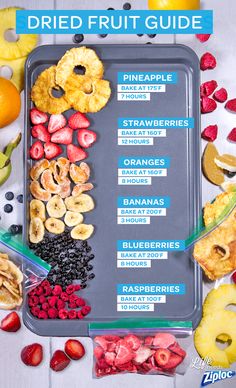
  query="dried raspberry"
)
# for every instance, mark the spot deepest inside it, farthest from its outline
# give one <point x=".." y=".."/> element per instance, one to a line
<point x="80" y="302"/>
<point x="234" y="277"/>
<point x="86" y="310"/>
<point x="32" y="292"/>
<point x="232" y="135"/>
<point x="33" y="301"/>
<point x="221" y="95"/>
<point x="42" y="299"/>
<point x="207" y="62"/>
<point x="35" y="311"/>
<point x="207" y="88"/>
<point x="210" y="133"/>
<point x="63" y="314"/>
<point x="73" y="298"/>
<point x="72" y="305"/>
<point x="80" y="315"/>
<point x="52" y="313"/>
<point x="72" y="314"/>
<point x="60" y="304"/>
<point x="77" y="287"/>
<point x="39" y="291"/>
<point x="52" y="301"/>
<point x="57" y="290"/>
<point x="45" y="306"/>
<point x="70" y="289"/>
<point x="231" y="105"/>
<point x="43" y="315"/>
<point x="45" y="283"/>
<point x="47" y="291"/>
<point x="208" y="105"/>
<point x="203" y="37"/>
<point x="64" y="296"/>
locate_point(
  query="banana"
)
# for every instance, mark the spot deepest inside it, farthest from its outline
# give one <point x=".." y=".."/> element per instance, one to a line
<point x="56" y="207"/>
<point x="73" y="218"/>
<point x="36" y="230"/>
<point x="55" y="226"/>
<point x="5" y="171"/>
<point x="81" y="203"/>
<point x="82" y="232"/>
<point x="37" y="209"/>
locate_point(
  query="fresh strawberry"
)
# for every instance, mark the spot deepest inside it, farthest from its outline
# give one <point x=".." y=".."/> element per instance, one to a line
<point x="163" y="340"/>
<point x="32" y="355"/>
<point x="11" y="322"/>
<point x="133" y="341"/>
<point x="40" y="132"/>
<point x="110" y="358"/>
<point x="36" y="150"/>
<point x="63" y="136"/>
<point x="74" y="349"/>
<point x="56" y="122"/>
<point x="162" y="356"/>
<point x="203" y="37"/>
<point x="59" y="361"/>
<point x="208" y="105"/>
<point x="207" y="62"/>
<point x="232" y="135"/>
<point x="78" y="121"/>
<point x="38" y="117"/>
<point x="231" y="105"/>
<point x="175" y="348"/>
<point x="52" y="150"/>
<point x="75" y="154"/>
<point x="210" y="133"/>
<point x="207" y="88"/>
<point x="173" y="361"/>
<point x="124" y="353"/>
<point x="142" y="354"/>
<point x="234" y="277"/>
<point x="221" y="95"/>
<point x="86" y="138"/>
<point x="98" y="352"/>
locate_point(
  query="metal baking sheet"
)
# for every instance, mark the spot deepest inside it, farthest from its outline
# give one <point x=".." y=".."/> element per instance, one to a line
<point x="182" y="184"/>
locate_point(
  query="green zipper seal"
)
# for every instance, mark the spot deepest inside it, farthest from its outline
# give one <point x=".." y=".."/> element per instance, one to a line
<point x="140" y="324"/>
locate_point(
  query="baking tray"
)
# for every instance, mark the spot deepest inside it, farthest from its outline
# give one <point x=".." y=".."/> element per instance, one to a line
<point x="183" y="184"/>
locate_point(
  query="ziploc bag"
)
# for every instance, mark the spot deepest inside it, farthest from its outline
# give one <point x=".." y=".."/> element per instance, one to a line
<point x="35" y="270"/>
<point x="140" y="346"/>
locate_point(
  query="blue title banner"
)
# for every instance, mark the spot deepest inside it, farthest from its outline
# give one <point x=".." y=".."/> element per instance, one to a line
<point x="150" y="245"/>
<point x="155" y="122"/>
<point x="143" y="202"/>
<point x="150" y="289"/>
<point x="140" y="162"/>
<point x="113" y="22"/>
<point x="140" y="77"/>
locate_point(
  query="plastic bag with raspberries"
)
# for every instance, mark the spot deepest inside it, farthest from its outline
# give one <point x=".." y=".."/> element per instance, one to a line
<point x="159" y="353"/>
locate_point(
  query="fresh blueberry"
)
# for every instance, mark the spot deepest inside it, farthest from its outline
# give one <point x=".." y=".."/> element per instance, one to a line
<point x="8" y="208"/>
<point x="152" y="35"/>
<point x="127" y="6"/>
<point x="149" y="43"/>
<point x="103" y="35"/>
<point x="9" y="196"/>
<point x="20" y="198"/>
<point x="15" y="229"/>
<point x="110" y="9"/>
<point x="139" y="34"/>
<point x="78" y="38"/>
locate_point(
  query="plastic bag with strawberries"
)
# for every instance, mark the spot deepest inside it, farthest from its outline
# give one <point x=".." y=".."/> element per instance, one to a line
<point x="138" y="346"/>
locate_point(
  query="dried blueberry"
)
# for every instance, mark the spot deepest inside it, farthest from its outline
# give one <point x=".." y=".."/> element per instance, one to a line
<point x="78" y="38"/>
<point x="127" y="6"/>
<point x="8" y="208"/>
<point x="9" y="196"/>
<point x="152" y="35"/>
<point x="20" y="198"/>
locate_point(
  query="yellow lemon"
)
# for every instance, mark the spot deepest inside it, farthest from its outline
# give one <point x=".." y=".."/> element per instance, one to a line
<point x="173" y="4"/>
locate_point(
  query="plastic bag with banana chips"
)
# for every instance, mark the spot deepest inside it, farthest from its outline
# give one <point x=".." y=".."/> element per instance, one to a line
<point x="11" y="279"/>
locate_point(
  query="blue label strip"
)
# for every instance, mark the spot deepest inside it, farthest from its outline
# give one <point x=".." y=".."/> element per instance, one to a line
<point x="151" y="289"/>
<point x="143" y="162"/>
<point x="145" y="78"/>
<point x="155" y="122"/>
<point x="144" y="202"/>
<point x="150" y="245"/>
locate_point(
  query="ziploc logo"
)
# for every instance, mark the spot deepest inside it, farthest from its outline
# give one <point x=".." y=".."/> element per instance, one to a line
<point x="212" y="377"/>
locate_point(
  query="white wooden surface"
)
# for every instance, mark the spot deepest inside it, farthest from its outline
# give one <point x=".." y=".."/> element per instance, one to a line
<point x="78" y="375"/>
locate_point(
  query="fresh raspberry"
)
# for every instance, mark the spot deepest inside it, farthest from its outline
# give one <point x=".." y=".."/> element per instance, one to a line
<point x="207" y="88"/>
<point x="86" y="310"/>
<point x="60" y="304"/>
<point x="47" y="291"/>
<point x="72" y="305"/>
<point x="231" y="105"/>
<point x="77" y="287"/>
<point x="208" y="105"/>
<point x="70" y="289"/>
<point x="203" y="37"/>
<point x="234" y="277"/>
<point x="43" y="315"/>
<point x="72" y="314"/>
<point x="42" y="299"/>
<point x="32" y="292"/>
<point x="221" y="95"/>
<point x="73" y="298"/>
<point x="63" y="314"/>
<point x="80" y="315"/>
<point x="45" y="306"/>
<point x="52" y="313"/>
<point x="80" y="302"/>
<point x="52" y="301"/>
<point x="210" y="133"/>
<point x="57" y="290"/>
<point x="35" y="311"/>
<point x="207" y="62"/>
<point x="232" y="135"/>
<point x="39" y="291"/>
<point x="64" y="296"/>
<point x="45" y="283"/>
<point x="33" y="301"/>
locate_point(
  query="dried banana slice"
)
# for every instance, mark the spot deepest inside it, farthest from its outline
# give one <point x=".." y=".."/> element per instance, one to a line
<point x="39" y="193"/>
<point x="37" y="209"/>
<point x="81" y="187"/>
<point x="4" y="264"/>
<point x="36" y="230"/>
<point x="56" y="207"/>
<point x="4" y="256"/>
<point x="38" y="168"/>
<point x="73" y="218"/>
<point x="16" y="272"/>
<point x="92" y="99"/>
<point x="55" y="226"/>
<point x="7" y="300"/>
<point x="79" y="56"/>
<point x="48" y="183"/>
<point x="42" y="96"/>
<point x="81" y="204"/>
<point x="82" y="232"/>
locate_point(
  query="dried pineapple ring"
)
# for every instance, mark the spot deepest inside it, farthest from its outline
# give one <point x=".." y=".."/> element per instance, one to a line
<point x="87" y="94"/>
<point x="79" y="56"/>
<point x="41" y="93"/>
<point x="210" y="328"/>
<point x="17" y="68"/>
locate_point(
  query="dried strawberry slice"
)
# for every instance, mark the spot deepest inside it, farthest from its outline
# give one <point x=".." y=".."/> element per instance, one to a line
<point x="133" y="341"/>
<point x="142" y="354"/>
<point x="162" y="356"/>
<point x="210" y="133"/>
<point x="163" y="340"/>
<point x="173" y="362"/>
<point x="98" y="352"/>
<point x="178" y="350"/>
<point x="110" y="358"/>
<point x="124" y="353"/>
<point x="102" y="342"/>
